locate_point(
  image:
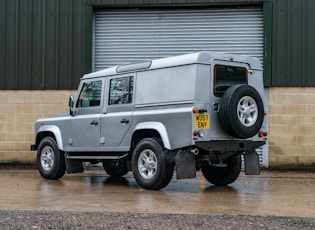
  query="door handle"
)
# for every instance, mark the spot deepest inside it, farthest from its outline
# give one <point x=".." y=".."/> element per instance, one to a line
<point x="93" y="122"/>
<point x="124" y="121"/>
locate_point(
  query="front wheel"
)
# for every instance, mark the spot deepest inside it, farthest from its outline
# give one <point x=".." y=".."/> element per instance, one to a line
<point x="151" y="167"/>
<point x="50" y="161"/>
<point x="223" y="175"/>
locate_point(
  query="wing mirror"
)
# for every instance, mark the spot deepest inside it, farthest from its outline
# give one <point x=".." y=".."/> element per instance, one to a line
<point x="71" y="105"/>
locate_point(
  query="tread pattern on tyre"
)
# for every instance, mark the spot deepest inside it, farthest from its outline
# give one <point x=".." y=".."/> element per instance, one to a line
<point x="59" y="168"/>
<point x="165" y="168"/>
<point x="228" y="111"/>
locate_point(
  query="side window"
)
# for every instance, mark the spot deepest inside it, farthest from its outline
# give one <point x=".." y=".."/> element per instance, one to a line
<point x="120" y="91"/>
<point x="90" y="94"/>
<point x="226" y="76"/>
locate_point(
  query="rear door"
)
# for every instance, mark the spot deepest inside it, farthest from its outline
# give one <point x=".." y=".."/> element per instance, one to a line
<point x="117" y="121"/>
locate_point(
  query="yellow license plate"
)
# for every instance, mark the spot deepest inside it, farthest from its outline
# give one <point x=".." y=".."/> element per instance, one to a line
<point x="202" y="121"/>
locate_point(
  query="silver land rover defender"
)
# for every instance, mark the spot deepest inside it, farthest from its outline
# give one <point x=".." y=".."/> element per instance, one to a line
<point x="196" y="111"/>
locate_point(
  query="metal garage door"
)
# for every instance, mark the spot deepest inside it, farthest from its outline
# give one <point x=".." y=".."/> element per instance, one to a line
<point x="124" y="36"/>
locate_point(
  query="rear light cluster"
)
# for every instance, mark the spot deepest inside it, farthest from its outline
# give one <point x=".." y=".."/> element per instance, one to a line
<point x="199" y="133"/>
<point x="262" y="134"/>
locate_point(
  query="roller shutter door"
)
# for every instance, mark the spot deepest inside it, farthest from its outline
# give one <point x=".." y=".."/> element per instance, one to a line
<point x="124" y="36"/>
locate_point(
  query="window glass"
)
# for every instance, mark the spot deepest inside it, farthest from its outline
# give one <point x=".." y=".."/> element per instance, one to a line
<point x="226" y="76"/>
<point x="121" y="91"/>
<point x="90" y="94"/>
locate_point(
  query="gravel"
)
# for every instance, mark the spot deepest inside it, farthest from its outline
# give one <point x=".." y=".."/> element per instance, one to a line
<point x="108" y="220"/>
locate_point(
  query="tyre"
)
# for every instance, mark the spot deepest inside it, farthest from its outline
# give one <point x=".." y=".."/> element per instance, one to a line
<point x="115" y="168"/>
<point x="151" y="167"/>
<point x="241" y="111"/>
<point x="50" y="161"/>
<point x="223" y="175"/>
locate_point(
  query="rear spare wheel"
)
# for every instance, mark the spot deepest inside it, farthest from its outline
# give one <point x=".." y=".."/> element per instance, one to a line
<point x="241" y="111"/>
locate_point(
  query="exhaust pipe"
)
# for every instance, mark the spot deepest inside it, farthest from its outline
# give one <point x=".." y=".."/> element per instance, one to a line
<point x="194" y="151"/>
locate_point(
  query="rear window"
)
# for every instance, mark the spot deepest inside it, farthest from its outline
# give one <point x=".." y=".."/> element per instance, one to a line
<point x="226" y="76"/>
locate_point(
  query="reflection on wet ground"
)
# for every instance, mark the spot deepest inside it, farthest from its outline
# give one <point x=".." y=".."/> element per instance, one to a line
<point x="271" y="193"/>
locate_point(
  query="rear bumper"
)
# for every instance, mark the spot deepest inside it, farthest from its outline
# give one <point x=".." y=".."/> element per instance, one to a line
<point x="229" y="145"/>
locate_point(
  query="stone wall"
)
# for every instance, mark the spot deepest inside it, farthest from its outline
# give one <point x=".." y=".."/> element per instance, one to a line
<point x="292" y="126"/>
<point x="291" y="123"/>
<point x="18" y="112"/>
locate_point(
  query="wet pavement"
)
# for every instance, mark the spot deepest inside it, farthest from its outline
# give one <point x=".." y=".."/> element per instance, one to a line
<point x="290" y="193"/>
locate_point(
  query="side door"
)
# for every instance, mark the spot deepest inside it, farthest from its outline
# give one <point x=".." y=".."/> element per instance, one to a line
<point x="85" y="124"/>
<point x="117" y="121"/>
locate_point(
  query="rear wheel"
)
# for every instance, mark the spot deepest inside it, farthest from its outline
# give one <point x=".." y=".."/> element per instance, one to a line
<point x="50" y="161"/>
<point x="151" y="167"/>
<point x="223" y="175"/>
<point x="115" y="168"/>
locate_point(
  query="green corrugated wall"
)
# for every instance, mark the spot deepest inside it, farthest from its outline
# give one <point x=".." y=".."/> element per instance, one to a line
<point x="46" y="44"/>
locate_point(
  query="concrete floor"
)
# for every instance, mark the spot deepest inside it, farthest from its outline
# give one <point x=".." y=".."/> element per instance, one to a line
<point x="276" y="193"/>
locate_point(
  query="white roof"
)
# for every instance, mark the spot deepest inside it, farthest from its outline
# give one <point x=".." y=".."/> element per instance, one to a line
<point x="203" y="57"/>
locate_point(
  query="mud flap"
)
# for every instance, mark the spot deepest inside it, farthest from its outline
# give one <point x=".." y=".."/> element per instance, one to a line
<point x="251" y="159"/>
<point x="185" y="165"/>
<point x="74" y="166"/>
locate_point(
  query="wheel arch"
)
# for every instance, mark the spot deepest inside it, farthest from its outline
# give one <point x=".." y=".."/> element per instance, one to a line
<point x="49" y="131"/>
<point x="151" y="129"/>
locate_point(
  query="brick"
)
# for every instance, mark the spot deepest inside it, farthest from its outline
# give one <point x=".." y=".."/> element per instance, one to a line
<point x="276" y="130"/>
<point x="24" y="108"/>
<point x="3" y="137"/>
<point x="33" y="98"/>
<point x="273" y="161"/>
<point x="7" y="108"/>
<point x="273" y="119"/>
<point x="41" y="108"/>
<point x="295" y="150"/>
<point x="310" y="90"/>
<point x="14" y="156"/>
<point x="276" y="150"/>
<point x="297" y="130"/>
<point x="23" y="127"/>
<point x="310" y="150"/>
<point x="305" y="140"/>
<point x="286" y="141"/>
<point x="29" y="137"/>
<point x="306" y="120"/>
<point x="6" y="146"/>
<point x="296" y="90"/>
<point x="287" y="161"/>
<point x="272" y="100"/>
<point x="2" y="158"/>
<point x="15" y="137"/>
<point x="3" y="98"/>
<point x="306" y="160"/>
<point x="51" y="98"/>
<point x="29" y="157"/>
<point x="288" y="99"/>
<point x="278" y="90"/>
<point x="15" y="97"/>
<point x="287" y="120"/>
<point x="21" y="146"/>
<point x="277" y="109"/>
<point x="305" y="99"/>
<point x="296" y="109"/>
<point x="60" y="108"/>
<point x="6" y="127"/>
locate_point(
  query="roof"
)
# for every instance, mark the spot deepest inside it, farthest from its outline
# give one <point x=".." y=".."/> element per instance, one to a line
<point x="203" y="57"/>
